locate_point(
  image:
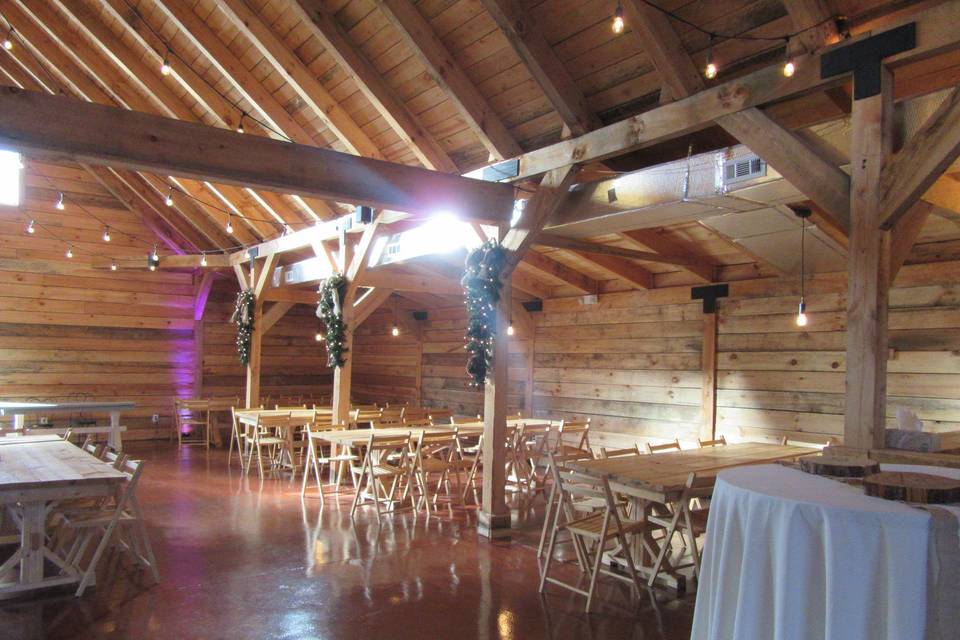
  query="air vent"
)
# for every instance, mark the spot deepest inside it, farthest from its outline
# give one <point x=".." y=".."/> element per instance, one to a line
<point x="743" y="169"/>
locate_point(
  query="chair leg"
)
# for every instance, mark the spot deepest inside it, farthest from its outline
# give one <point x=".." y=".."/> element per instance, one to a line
<point x="597" y="560"/>
<point x="694" y="553"/>
<point x="664" y="548"/>
<point x="546" y="520"/>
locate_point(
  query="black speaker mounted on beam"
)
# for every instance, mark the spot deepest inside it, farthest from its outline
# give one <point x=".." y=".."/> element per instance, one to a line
<point x="362" y="214"/>
<point x="419" y="315"/>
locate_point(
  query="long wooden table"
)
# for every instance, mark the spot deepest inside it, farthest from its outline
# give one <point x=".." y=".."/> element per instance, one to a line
<point x="249" y="417"/>
<point x="35" y="473"/>
<point x="20" y="409"/>
<point x="356" y="437"/>
<point x="661" y="478"/>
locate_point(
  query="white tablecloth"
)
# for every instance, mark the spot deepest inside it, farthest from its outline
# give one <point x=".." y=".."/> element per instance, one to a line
<point x="789" y="555"/>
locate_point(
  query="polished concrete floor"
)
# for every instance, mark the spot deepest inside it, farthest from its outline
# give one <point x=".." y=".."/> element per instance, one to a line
<point x="240" y="558"/>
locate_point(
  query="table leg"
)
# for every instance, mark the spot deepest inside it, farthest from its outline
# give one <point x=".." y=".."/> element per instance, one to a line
<point x="113" y="438"/>
<point x="18" y="421"/>
<point x="32" y="541"/>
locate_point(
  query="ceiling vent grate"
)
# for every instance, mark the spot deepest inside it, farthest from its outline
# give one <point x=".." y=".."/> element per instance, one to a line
<point x="743" y="169"/>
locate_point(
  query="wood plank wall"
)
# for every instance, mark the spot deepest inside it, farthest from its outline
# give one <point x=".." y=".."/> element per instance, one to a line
<point x="631" y="363"/>
<point x="293" y="362"/>
<point x="72" y="332"/>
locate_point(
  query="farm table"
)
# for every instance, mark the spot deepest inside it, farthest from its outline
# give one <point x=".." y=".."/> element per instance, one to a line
<point x="357" y="437"/>
<point x="20" y="409"/>
<point x="249" y="417"/>
<point x="35" y="473"/>
<point x="660" y="478"/>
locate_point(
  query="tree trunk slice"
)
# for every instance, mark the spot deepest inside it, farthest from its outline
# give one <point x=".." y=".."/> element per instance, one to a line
<point x="922" y="488"/>
<point x="839" y="466"/>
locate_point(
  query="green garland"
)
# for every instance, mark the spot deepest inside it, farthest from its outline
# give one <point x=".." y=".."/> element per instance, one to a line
<point x="481" y="288"/>
<point x="243" y="315"/>
<point x="330" y="312"/>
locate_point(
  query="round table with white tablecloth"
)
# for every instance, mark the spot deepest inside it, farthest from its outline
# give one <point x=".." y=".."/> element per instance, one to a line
<point x="792" y="555"/>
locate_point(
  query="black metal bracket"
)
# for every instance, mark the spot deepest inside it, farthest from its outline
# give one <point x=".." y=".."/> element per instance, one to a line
<point x="710" y="294"/>
<point x="865" y="58"/>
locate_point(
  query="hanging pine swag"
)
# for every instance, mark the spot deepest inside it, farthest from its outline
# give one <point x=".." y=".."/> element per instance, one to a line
<point x="330" y="313"/>
<point x="481" y="288"/>
<point x="243" y="316"/>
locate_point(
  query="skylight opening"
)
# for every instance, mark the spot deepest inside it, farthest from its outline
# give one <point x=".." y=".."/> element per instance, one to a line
<point x="10" y="182"/>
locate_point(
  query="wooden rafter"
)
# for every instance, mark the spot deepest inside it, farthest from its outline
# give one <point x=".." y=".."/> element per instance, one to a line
<point x="701" y="267"/>
<point x="559" y="271"/>
<point x="420" y="37"/>
<point x="580" y="246"/>
<point x="526" y="38"/>
<point x="119" y="137"/>
<point x="631" y="273"/>
<point x="391" y="108"/>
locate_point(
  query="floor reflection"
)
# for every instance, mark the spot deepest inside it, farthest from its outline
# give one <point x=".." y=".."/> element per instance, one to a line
<point x="242" y="557"/>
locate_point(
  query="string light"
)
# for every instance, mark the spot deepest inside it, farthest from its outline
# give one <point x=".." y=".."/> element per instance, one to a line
<point x="113" y="265"/>
<point x="395" y="331"/>
<point x="618" y="19"/>
<point x="510" y="329"/>
<point x="165" y="68"/>
<point x="711" y="69"/>
<point x="243" y="114"/>
<point x="60" y="204"/>
<point x="789" y="67"/>
<point x="169" y="200"/>
<point x="30" y="228"/>
<point x="69" y="252"/>
<point x="106" y="234"/>
<point x="319" y="336"/>
<point x="229" y="224"/>
<point x="203" y="259"/>
<point x="8" y="41"/>
<point x="154" y="256"/>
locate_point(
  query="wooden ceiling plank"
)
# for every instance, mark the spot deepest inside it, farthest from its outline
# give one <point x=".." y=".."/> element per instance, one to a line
<point x="98" y="134"/>
<point x="699" y="266"/>
<point x="559" y="271"/>
<point x="419" y="36"/>
<point x="633" y="274"/>
<point x="527" y="39"/>
<point x="299" y="78"/>
<point x="391" y="108"/>
<point x="594" y="248"/>
<point x="812" y="19"/>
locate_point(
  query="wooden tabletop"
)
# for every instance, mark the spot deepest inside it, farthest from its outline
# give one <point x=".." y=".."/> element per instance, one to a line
<point x="513" y="422"/>
<point x="33" y="463"/>
<point x="249" y="416"/>
<point x="21" y="439"/>
<point x="360" y="436"/>
<point x="664" y="474"/>
<point x="9" y="408"/>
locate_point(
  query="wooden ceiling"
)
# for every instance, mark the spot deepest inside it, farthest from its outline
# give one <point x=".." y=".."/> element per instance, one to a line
<point x="445" y="84"/>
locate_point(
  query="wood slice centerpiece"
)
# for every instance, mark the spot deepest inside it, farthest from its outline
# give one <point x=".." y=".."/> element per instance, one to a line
<point x="839" y="466"/>
<point x="922" y="488"/>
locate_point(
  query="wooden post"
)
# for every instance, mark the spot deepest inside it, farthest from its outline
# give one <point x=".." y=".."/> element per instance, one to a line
<point x="253" y="365"/>
<point x="342" y="375"/>
<point x="708" y="428"/>
<point x="494" y="517"/>
<point x="869" y="265"/>
<point x="418" y="392"/>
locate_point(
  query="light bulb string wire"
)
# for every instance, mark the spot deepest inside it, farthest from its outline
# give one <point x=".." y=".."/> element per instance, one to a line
<point x="170" y="51"/>
<point x="54" y="85"/>
<point x="741" y="35"/>
<point x="803" y="257"/>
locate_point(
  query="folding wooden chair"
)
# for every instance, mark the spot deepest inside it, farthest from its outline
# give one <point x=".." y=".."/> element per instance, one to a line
<point x="435" y="454"/>
<point x="238" y="436"/>
<point x="195" y="415"/>
<point x="689" y="522"/>
<point x="440" y="417"/>
<point x="668" y="446"/>
<point x="572" y="437"/>
<point x="471" y="456"/>
<point x="316" y="458"/>
<point x="264" y="435"/>
<point x="552" y="499"/>
<point x="377" y="470"/>
<point x="597" y="528"/>
<point x="415" y="415"/>
<point x="719" y="442"/>
<point x="533" y="444"/>
<point x="619" y="453"/>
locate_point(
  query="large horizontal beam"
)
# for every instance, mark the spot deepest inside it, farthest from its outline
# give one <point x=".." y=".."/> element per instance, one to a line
<point x="98" y="134"/>
<point x="936" y="34"/>
<point x="572" y="244"/>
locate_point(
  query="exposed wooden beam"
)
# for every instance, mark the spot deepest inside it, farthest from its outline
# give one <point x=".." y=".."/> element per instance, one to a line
<point x="98" y="134"/>
<point x="708" y="427"/>
<point x="559" y="271"/>
<point x="552" y="191"/>
<point x="368" y="303"/>
<point x="812" y="19"/>
<point x="531" y="286"/>
<point x="699" y="266"/>
<point x="580" y="246"/>
<point x="524" y="35"/>
<point x="945" y="193"/>
<point x="766" y="85"/>
<point x="632" y="274"/>
<point x="418" y="35"/>
<point x="273" y="315"/>
<point x="653" y="32"/>
<point x="391" y="108"/>
<point x="924" y="158"/>
<point x="298" y="77"/>
<point x="905" y="234"/>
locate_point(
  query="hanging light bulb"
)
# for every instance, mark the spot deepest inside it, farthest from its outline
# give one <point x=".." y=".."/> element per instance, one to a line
<point x="30" y="228"/>
<point x="154" y="256"/>
<point x="319" y="336"/>
<point x="618" y="19"/>
<point x="165" y="68"/>
<point x="395" y="331"/>
<point x="229" y="224"/>
<point x="710" y="72"/>
<point x="169" y="199"/>
<point x="802" y="314"/>
<point x="106" y="234"/>
<point x="803" y="214"/>
<point x="60" y="204"/>
<point x="113" y="265"/>
<point x="8" y="41"/>
<point x="153" y="266"/>
<point x="243" y="114"/>
<point x="510" y="329"/>
<point x="789" y="68"/>
<point x="203" y="259"/>
<point x="69" y="252"/>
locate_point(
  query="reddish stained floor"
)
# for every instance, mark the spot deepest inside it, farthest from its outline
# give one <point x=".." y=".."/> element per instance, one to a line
<point x="240" y="559"/>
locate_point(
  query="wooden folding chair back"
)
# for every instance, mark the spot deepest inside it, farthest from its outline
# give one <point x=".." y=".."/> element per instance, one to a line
<point x="437" y="453"/>
<point x="415" y="414"/>
<point x="265" y="434"/>
<point x="94" y="448"/>
<point x="718" y="442"/>
<point x="316" y="458"/>
<point x="392" y="415"/>
<point x="687" y="521"/>
<point x="619" y="453"/>
<point x="573" y="435"/>
<point x="556" y="463"/>
<point x="194" y="414"/>
<point x="377" y="471"/>
<point x="533" y="444"/>
<point x="440" y="416"/>
<point x="417" y="424"/>
<point x="668" y="446"/>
